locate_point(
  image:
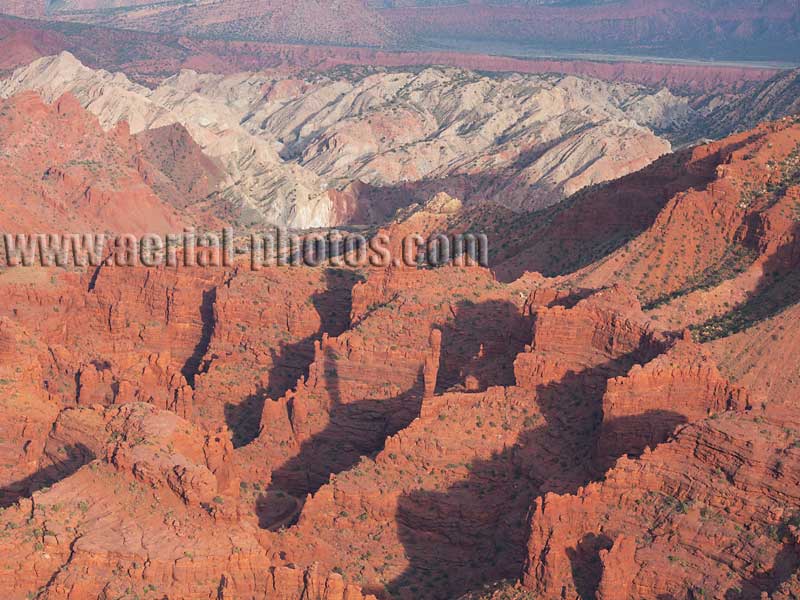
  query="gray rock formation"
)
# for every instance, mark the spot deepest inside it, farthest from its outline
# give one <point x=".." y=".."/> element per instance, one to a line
<point x="522" y="141"/>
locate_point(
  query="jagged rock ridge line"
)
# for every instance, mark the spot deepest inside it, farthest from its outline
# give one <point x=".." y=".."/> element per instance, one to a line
<point x="311" y="153"/>
<point x="329" y="434"/>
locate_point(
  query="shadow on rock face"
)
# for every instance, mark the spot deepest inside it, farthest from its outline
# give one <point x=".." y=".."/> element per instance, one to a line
<point x="290" y="362"/>
<point x="74" y="457"/>
<point x="476" y="532"/>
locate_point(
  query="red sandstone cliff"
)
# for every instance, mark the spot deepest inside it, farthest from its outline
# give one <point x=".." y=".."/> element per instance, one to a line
<point x="329" y="434"/>
<point x="725" y="483"/>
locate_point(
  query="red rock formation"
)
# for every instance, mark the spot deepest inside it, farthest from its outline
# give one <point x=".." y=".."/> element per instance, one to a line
<point x="600" y="334"/>
<point x="67" y="175"/>
<point x="420" y="508"/>
<point x="595" y="223"/>
<point x="417" y="511"/>
<point x="642" y="409"/>
<point x="724" y="205"/>
<point x="183" y="175"/>
<point x="200" y="474"/>
<point x="748" y="357"/>
<point x="159" y="517"/>
<point x="430" y="371"/>
<point x="403" y="427"/>
<point x="265" y="324"/>
<point x="156" y="383"/>
<point x="726" y="483"/>
<point x="28" y="413"/>
<point x="619" y="567"/>
<point x="738" y="218"/>
<point x="369" y="382"/>
<point x="644" y="383"/>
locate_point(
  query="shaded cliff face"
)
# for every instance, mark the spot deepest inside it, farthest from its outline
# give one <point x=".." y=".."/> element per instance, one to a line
<point x="674" y="509"/>
<point x="773" y="99"/>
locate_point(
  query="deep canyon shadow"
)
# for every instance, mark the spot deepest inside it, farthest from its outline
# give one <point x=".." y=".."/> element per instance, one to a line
<point x="361" y="428"/>
<point x="290" y="362"/>
<point x="476" y="531"/>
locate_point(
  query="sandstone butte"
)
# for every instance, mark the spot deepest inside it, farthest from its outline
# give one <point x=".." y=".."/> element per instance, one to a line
<point x="612" y="428"/>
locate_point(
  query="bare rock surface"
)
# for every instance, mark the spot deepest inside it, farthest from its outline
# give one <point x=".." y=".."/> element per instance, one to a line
<point x="287" y="150"/>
